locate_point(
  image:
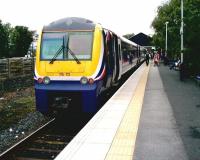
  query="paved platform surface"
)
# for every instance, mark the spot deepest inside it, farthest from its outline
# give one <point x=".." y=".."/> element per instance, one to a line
<point x="184" y="98"/>
<point x="170" y="120"/>
<point x="158" y="136"/>
<point x="110" y="134"/>
<point x="167" y="113"/>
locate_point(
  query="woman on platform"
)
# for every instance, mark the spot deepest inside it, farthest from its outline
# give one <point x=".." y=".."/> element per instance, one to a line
<point x="156" y="59"/>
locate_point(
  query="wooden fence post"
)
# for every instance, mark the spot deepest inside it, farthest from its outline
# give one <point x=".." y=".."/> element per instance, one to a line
<point x="8" y="68"/>
<point x="23" y="72"/>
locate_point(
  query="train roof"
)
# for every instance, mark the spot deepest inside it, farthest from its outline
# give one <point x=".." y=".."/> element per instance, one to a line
<point x="76" y="23"/>
<point x="70" y="23"/>
<point x="127" y="41"/>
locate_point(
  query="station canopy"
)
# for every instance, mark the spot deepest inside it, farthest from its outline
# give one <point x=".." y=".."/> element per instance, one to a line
<point x="141" y="39"/>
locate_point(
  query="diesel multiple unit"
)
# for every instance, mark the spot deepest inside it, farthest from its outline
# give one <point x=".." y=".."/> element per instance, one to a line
<point x="79" y="59"/>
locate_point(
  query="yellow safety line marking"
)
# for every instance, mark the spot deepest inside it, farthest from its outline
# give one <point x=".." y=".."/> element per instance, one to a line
<point x="123" y="145"/>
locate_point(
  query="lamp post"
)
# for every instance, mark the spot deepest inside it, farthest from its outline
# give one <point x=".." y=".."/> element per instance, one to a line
<point x="166" y="23"/>
<point x="181" y="31"/>
<point x="182" y="66"/>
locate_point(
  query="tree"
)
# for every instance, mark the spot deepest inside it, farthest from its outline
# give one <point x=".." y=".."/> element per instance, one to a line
<point x="20" y="39"/>
<point x="4" y="39"/>
<point x="170" y="12"/>
<point x="192" y="38"/>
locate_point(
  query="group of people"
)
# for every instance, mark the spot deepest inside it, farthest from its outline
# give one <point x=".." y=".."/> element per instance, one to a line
<point x="156" y="58"/>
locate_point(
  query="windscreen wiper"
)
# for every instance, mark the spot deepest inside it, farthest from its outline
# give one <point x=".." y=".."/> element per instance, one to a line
<point x="69" y="51"/>
<point x="74" y="56"/>
<point x="62" y="48"/>
<point x="72" y="53"/>
<point x="57" y="53"/>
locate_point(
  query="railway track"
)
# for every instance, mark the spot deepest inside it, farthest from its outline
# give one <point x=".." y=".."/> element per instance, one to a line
<point x="49" y="140"/>
<point x="9" y="153"/>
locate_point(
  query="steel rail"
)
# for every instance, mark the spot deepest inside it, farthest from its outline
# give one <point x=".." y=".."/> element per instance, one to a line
<point x="24" y="139"/>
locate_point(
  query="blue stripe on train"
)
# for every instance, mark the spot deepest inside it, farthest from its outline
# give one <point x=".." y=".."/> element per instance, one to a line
<point x="89" y="94"/>
<point x="101" y="69"/>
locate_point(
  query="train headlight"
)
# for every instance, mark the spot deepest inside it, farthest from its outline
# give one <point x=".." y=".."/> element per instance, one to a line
<point x="84" y="80"/>
<point x="46" y="80"/>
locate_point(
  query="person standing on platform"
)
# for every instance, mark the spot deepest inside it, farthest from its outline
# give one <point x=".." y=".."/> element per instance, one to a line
<point x="147" y="58"/>
<point x="156" y="59"/>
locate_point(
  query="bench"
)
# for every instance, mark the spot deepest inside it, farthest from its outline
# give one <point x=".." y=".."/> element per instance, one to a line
<point x="197" y="79"/>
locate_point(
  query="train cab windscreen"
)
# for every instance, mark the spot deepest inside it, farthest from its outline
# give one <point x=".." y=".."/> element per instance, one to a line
<point x="62" y="44"/>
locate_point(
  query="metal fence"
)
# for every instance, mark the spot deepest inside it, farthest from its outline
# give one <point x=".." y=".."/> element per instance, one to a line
<point x="11" y="68"/>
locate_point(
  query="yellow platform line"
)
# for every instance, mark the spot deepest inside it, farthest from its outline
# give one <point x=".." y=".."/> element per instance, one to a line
<point x="123" y="145"/>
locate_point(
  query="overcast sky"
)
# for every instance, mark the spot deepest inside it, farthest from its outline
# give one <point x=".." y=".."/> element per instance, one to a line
<point x="121" y="16"/>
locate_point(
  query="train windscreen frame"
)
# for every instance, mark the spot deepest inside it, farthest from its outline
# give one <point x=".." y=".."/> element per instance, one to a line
<point x="79" y="42"/>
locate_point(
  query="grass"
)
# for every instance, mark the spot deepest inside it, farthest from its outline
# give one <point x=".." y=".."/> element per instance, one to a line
<point x="16" y="106"/>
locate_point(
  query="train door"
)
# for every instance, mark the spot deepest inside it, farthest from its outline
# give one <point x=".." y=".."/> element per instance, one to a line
<point x="138" y="54"/>
<point x="117" y="58"/>
<point x="108" y="59"/>
<point x="114" y="57"/>
<point x="120" y="57"/>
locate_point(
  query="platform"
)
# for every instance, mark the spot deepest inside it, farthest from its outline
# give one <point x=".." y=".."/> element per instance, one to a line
<point x="113" y="134"/>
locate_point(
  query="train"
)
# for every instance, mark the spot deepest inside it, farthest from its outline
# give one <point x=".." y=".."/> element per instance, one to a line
<point x="78" y="59"/>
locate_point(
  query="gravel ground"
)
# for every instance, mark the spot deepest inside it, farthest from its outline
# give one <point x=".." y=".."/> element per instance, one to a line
<point x="18" y="117"/>
<point x="23" y="128"/>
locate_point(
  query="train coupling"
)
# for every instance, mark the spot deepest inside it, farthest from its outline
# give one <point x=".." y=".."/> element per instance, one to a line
<point x="62" y="102"/>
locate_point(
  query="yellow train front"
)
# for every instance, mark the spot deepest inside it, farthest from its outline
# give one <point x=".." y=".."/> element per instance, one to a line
<point x="78" y="59"/>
